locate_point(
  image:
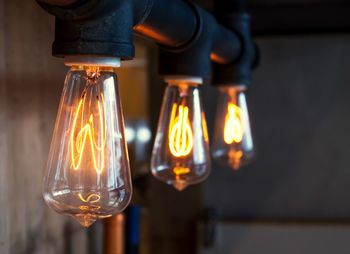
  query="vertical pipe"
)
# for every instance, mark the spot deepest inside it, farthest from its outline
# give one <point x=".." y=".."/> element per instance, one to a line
<point x="114" y="235"/>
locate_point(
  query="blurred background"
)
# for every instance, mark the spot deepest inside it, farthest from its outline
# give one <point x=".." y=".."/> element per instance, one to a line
<point x="293" y="198"/>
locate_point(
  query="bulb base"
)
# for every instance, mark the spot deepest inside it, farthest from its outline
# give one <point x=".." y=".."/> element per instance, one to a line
<point x="92" y="61"/>
<point x="183" y="79"/>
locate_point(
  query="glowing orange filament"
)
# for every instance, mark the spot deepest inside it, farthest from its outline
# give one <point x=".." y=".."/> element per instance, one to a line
<point x="233" y="130"/>
<point x="178" y="171"/>
<point x="86" y="132"/>
<point x="91" y="199"/>
<point x="181" y="171"/>
<point x="180" y="132"/>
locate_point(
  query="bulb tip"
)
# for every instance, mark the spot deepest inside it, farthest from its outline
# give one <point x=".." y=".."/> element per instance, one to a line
<point x="180" y="185"/>
<point x="86" y="220"/>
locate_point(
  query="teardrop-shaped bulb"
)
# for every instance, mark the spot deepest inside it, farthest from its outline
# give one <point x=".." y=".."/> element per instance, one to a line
<point x="180" y="154"/>
<point x="88" y="175"/>
<point x="233" y="143"/>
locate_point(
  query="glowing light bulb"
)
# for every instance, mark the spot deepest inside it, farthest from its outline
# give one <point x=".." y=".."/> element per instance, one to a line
<point x="180" y="154"/>
<point x="88" y="175"/>
<point x="233" y="142"/>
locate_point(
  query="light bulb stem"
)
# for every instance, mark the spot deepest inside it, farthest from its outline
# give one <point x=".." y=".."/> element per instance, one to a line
<point x="92" y="61"/>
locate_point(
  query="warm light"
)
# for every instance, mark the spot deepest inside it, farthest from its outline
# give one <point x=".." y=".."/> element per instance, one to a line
<point x="181" y="153"/>
<point x="235" y="158"/>
<point x="233" y="130"/>
<point x="233" y="142"/>
<point x="82" y="130"/>
<point x="180" y="132"/>
<point x="181" y="171"/>
<point x="87" y="174"/>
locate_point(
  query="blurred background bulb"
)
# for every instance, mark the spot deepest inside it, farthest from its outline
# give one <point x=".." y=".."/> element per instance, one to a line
<point x="233" y="142"/>
<point x="180" y="154"/>
<point x="88" y="175"/>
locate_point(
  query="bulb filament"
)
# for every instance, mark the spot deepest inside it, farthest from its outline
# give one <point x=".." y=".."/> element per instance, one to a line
<point x="84" y="134"/>
<point x="233" y="130"/>
<point x="181" y="171"/>
<point x="180" y="132"/>
<point x="91" y="199"/>
<point x="178" y="171"/>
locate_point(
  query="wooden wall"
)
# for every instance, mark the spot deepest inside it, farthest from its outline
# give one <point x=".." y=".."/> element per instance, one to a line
<point x="30" y="85"/>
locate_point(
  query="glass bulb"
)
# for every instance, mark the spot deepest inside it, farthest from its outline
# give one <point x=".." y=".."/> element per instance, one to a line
<point x="88" y="175"/>
<point x="180" y="154"/>
<point x="233" y="142"/>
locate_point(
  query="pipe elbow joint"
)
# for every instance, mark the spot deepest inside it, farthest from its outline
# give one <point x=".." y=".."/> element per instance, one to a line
<point x="238" y="72"/>
<point x="192" y="58"/>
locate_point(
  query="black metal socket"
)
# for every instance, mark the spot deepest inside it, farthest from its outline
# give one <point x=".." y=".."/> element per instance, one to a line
<point x="107" y="35"/>
<point x="96" y="27"/>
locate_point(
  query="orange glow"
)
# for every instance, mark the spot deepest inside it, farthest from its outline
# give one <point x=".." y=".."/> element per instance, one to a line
<point x="83" y="129"/>
<point x="181" y="171"/>
<point x="235" y="158"/>
<point x="233" y="130"/>
<point x="205" y="128"/>
<point x="178" y="171"/>
<point x="218" y="59"/>
<point x="180" y="132"/>
<point x="152" y="33"/>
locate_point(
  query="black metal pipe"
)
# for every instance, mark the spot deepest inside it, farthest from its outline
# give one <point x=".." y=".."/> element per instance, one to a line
<point x="212" y="42"/>
<point x="171" y="23"/>
<point x="232" y="15"/>
<point x="104" y="27"/>
<point x="189" y="37"/>
<point x="226" y="46"/>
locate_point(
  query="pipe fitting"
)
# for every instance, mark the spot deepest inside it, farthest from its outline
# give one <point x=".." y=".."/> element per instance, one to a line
<point x="240" y="70"/>
<point x="94" y="27"/>
<point x="189" y="36"/>
<point x="194" y="58"/>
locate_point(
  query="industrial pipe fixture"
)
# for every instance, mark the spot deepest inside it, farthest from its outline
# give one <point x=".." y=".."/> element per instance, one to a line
<point x="88" y="173"/>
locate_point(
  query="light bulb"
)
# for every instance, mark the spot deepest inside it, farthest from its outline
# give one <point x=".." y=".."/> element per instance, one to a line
<point x="88" y="175"/>
<point x="233" y="142"/>
<point x="180" y="154"/>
